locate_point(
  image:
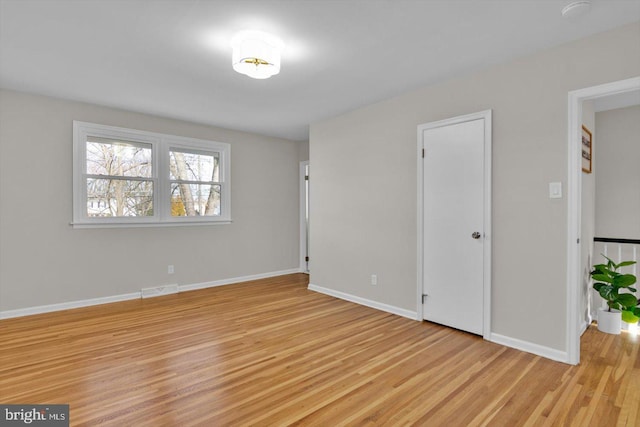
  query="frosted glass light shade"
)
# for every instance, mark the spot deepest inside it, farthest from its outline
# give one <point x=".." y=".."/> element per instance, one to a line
<point x="256" y="54"/>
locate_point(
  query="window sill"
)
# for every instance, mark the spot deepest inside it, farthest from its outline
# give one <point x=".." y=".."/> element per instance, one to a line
<point x="81" y="225"/>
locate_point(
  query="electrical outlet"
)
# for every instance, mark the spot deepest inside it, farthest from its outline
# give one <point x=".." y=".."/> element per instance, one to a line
<point x="170" y="269"/>
<point x="374" y="279"/>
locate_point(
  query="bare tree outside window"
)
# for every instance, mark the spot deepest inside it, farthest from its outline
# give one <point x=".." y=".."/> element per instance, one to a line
<point x="195" y="183"/>
<point x="119" y="178"/>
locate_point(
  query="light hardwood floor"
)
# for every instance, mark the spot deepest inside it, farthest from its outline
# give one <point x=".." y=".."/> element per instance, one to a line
<point x="270" y="352"/>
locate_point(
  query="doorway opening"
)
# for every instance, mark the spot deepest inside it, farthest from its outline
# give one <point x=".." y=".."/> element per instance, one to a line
<point x="574" y="320"/>
<point x="304" y="216"/>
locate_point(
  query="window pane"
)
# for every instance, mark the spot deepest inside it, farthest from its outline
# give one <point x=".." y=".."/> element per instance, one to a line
<point x="118" y="158"/>
<point x="195" y="199"/>
<point x="190" y="166"/>
<point x="119" y="198"/>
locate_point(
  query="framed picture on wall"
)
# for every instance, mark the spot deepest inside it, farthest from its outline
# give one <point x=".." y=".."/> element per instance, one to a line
<point x="586" y="150"/>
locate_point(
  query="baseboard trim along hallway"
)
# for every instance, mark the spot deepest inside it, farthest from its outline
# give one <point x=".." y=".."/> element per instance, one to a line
<point x="28" y="311"/>
<point x="366" y="302"/>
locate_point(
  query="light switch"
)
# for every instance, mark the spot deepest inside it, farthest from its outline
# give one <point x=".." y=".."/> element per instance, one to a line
<point x="555" y="190"/>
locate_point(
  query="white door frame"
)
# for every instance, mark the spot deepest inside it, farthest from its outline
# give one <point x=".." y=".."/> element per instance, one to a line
<point x="574" y="199"/>
<point x="486" y="303"/>
<point x="303" y="222"/>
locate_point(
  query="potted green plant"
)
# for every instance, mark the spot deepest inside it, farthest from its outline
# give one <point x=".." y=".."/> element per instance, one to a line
<point x="621" y="305"/>
<point x="632" y="314"/>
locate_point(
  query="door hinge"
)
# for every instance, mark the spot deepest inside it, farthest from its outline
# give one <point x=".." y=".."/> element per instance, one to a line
<point x="306" y="259"/>
<point x="306" y="177"/>
<point x="423" y="297"/>
<point x="578" y="242"/>
<point x="423" y="153"/>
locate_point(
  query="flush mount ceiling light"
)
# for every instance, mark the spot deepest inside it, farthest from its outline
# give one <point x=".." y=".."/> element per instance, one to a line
<point x="576" y="8"/>
<point x="256" y="54"/>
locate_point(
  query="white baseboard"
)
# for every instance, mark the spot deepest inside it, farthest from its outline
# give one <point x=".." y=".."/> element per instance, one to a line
<point x="28" y="311"/>
<point x="204" y="285"/>
<point x="583" y="328"/>
<point x="158" y="291"/>
<point x="539" y="350"/>
<point x="366" y="302"/>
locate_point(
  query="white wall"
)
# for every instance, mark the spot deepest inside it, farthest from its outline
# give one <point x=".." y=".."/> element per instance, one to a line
<point x="43" y="260"/>
<point x="618" y="173"/>
<point x="303" y="151"/>
<point x="364" y="183"/>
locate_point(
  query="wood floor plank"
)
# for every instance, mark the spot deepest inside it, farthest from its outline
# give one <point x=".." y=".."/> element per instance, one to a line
<point x="271" y="353"/>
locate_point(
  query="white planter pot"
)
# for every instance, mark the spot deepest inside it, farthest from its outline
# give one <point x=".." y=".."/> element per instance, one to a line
<point x="609" y="321"/>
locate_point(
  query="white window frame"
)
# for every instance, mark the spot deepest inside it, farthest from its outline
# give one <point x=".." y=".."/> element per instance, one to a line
<point x="161" y="145"/>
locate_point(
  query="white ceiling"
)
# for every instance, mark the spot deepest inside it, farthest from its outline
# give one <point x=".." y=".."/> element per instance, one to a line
<point x="172" y="57"/>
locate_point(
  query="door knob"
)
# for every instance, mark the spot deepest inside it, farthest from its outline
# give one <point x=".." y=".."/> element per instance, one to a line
<point x="475" y="235"/>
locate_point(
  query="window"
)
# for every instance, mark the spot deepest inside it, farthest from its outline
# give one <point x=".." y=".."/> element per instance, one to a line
<point x="119" y="178"/>
<point x="130" y="177"/>
<point x="195" y="183"/>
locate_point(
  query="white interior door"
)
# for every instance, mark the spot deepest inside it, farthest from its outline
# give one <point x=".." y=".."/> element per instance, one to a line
<point x="304" y="216"/>
<point x="454" y="197"/>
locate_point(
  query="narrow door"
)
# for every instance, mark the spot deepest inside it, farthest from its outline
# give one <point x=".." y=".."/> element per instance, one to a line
<point x="304" y="216"/>
<point x="453" y="224"/>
